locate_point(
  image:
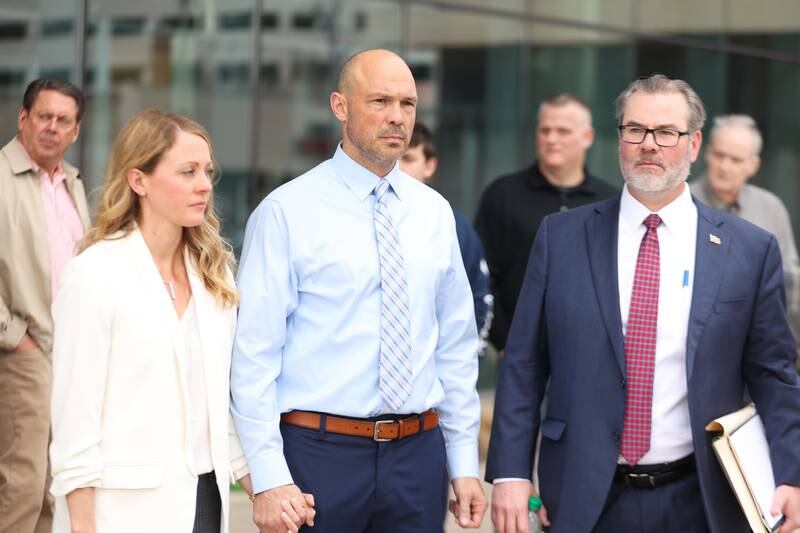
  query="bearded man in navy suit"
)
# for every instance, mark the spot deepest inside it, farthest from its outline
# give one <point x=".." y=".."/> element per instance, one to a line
<point x="649" y="314"/>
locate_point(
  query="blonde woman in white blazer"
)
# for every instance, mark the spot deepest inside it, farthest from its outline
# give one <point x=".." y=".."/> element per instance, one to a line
<point x="144" y="324"/>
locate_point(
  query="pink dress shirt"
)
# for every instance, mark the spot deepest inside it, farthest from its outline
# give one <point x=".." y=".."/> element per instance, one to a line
<point x="64" y="227"/>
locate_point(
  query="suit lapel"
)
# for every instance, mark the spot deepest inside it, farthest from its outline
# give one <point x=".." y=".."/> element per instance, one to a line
<point x="710" y="258"/>
<point x="601" y="241"/>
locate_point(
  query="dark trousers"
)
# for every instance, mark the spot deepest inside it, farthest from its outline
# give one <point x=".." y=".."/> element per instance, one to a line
<point x="208" y="511"/>
<point x="362" y="486"/>
<point x="676" y="507"/>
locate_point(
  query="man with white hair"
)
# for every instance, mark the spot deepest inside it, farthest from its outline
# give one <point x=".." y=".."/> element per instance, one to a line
<point x="732" y="158"/>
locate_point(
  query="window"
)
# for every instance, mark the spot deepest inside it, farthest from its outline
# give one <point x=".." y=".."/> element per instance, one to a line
<point x="303" y="21"/>
<point x="56" y="74"/>
<point x="13" y="30"/>
<point x="178" y="22"/>
<point x="10" y="79"/>
<point x="56" y="28"/>
<point x="233" y="74"/>
<point x="269" y="21"/>
<point x="124" y="26"/>
<point x="234" y="21"/>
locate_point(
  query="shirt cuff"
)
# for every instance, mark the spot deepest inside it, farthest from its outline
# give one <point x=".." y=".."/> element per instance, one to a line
<point x="75" y="478"/>
<point x="268" y="472"/>
<point x="507" y="480"/>
<point x="462" y="461"/>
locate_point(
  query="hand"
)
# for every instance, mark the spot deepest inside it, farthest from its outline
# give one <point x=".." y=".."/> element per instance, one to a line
<point x="270" y="511"/>
<point x="510" y="506"/>
<point x="787" y="501"/>
<point x="470" y="503"/>
<point x="27" y="344"/>
<point x="80" y="504"/>
<point x="290" y="516"/>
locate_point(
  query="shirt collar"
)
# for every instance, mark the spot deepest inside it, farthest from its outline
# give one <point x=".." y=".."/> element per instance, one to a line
<point x="675" y="216"/>
<point x="362" y="181"/>
<point x="58" y="175"/>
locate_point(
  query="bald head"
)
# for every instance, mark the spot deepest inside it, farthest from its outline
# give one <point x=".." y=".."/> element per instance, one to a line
<point x="360" y="67"/>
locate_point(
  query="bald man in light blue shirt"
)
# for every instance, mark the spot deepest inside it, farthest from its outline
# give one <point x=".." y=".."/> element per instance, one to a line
<point x="306" y="380"/>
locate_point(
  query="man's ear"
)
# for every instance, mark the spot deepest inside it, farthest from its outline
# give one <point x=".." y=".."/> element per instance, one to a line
<point x="588" y="138"/>
<point x="753" y="165"/>
<point x="22" y="116"/>
<point x="696" y="139"/>
<point x="76" y="133"/>
<point x="339" y="106"/>
<point x="430" y="167"/>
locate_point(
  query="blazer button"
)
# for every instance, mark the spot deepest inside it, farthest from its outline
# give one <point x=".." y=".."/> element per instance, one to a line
<point x="622" y="383"/>
<point x="616" y="436"/>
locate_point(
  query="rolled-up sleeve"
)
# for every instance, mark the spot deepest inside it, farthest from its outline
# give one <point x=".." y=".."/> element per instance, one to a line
<point x="82" y="316"/>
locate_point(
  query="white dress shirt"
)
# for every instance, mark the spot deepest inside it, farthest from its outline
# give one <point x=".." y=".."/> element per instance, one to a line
<point x="670" y="433"/>
<point x="308" y="334"/>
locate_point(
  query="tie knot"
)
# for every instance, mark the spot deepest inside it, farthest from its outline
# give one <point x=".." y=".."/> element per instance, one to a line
<point x="380" y="189"/>
<point x="652" y="221"/>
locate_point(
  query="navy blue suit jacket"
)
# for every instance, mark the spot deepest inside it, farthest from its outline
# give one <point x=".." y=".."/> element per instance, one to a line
<point x="567" y="329"/>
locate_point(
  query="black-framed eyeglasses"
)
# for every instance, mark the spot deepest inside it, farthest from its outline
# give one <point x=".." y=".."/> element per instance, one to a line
<point x="664" y="137"/>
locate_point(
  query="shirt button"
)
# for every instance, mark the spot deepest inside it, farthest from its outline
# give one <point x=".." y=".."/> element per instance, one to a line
<point x="564" y="208"/>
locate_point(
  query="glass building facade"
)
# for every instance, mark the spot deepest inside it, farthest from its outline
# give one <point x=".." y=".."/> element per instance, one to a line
<point x="257" y="74"/>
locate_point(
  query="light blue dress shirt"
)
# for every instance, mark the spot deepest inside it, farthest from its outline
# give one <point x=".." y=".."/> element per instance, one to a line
<point x="308" y="333"/>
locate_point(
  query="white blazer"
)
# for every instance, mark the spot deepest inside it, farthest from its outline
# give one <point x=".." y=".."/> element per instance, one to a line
<point x="121" y="393"/>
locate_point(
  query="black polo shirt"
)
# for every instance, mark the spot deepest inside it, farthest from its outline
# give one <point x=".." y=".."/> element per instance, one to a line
<point x="509" y="214"/>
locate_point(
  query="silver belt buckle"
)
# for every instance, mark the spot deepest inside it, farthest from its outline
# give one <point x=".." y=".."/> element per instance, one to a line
<point x="633" y="476"/>
<point x="376" y="432"/>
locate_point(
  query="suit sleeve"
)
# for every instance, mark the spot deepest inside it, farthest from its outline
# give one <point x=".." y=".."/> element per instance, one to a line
<point x="523" y="374"/>
<point x="768" y="368"/>
<point x="82" y="314"/>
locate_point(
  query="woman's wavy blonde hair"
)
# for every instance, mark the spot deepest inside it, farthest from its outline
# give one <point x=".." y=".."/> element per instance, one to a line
<point x="141" y="144"/>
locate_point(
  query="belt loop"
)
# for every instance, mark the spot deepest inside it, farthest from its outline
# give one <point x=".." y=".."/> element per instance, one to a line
<point x="421" y="422"/>
<point x="323" y="423"/>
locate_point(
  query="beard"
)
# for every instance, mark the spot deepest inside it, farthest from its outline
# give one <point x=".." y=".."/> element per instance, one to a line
<point x="648" y="181"/>
<point x="372" y="149"/>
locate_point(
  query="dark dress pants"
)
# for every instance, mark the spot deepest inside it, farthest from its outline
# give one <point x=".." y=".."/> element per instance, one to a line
<point x="676" y="507"/>
<point x="362" y="486"/>
<point x="208" y="510"/>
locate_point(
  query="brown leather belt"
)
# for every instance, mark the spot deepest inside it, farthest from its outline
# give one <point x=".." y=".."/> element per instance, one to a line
<point x="379" y="430"/>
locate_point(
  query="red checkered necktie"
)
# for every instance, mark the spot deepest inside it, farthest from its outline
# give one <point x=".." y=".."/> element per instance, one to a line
<point x="640" y="347"/>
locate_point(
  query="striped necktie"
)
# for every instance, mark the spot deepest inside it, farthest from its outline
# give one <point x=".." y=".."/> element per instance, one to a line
<point x="395" y="355"/>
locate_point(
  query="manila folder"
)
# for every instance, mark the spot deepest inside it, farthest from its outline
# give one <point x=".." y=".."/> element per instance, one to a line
<point x="741" y="446"/>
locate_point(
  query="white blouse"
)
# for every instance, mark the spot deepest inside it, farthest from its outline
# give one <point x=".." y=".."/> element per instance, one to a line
<point x="197" y="414"/>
